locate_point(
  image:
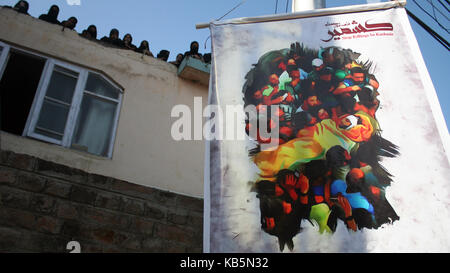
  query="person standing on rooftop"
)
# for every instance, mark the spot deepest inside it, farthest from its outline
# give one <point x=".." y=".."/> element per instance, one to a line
<point x="70" y="23"/>
<point x="144" y="49"/>
<point x="193" y="52"/>
<point x="22" y="7"/>
<point x="113" y="38"/>
<point x="51" y="16"/>
<point x="128" y="42"/>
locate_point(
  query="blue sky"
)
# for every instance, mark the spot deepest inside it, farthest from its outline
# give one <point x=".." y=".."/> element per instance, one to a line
<point x="171" y="25"/>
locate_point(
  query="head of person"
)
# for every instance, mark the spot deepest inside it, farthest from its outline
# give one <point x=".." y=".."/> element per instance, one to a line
<point x="53" y="11"/>
<point x="71" y="23"/>
<point x="257" y="95"/>
<point x="326" y="74"/>
<point x="337" y="156"/>
<point x="355" y="180"/>
<point x="144" y="45"/>
<point x="114" y="34"/>
<point x="312" y="100"/>
<point x="194" y="47"/>
<point x="273" y="79"/>
<point x="92" y="29"/>
<point x="128" y="39"/>
<point x="163" y="55"/>
<point x="317" y="64"/>
<point x="291" y="65"/>
<point x="22" y="6"/>
<point x="179" y="58"/>
<point x="358" y="75"/>
<point x="207" y="57"/>
<point x="85" y="34"/>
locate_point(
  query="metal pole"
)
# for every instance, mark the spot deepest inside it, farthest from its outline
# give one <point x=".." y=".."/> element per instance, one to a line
<point x="302" y="5"/>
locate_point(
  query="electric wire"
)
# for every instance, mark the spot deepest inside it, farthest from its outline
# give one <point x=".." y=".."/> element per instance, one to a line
<point x="436" y="36"/>
<point x="238" y="5"/>
<point x="431" y="16"/>
<point x="436" y="9"/>
<point x="231" y="10"/>
<point x="442" y="4"/>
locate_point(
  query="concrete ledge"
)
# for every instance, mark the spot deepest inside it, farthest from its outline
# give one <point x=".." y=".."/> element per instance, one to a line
<point x="194" y="70"/>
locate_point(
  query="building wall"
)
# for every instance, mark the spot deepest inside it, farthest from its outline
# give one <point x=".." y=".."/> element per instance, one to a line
<point x="144" y="151"/>
<point x="44" y="205"/>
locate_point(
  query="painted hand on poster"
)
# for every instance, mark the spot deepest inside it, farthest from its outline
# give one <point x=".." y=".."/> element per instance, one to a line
<point x="326" y="169"/>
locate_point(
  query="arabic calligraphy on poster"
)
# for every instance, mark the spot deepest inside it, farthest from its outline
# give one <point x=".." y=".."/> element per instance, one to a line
<point x="356" y="30"/>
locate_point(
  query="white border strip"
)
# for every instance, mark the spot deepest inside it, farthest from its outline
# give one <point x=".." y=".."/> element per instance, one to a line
<point x="207" y="181"/>
<point x="308" y="13"/>
<point x="430" y="91"/>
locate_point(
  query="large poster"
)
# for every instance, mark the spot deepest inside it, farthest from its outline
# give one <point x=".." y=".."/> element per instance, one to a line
<point x="344" y="147"/>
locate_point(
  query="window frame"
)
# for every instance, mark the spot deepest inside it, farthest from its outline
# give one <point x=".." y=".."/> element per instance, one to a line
<point x="4" y="56"/>
<point x="118" y="102"/>
<point x="39" y="100"/>
<point x="74" y="110"/>
<point x="4" y="62"/>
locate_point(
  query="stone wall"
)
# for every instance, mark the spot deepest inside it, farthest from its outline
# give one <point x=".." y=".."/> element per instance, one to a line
<point x="44" y="205"/>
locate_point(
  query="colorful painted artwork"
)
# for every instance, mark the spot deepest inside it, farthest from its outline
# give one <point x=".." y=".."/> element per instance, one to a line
<point x="326" y="167"/>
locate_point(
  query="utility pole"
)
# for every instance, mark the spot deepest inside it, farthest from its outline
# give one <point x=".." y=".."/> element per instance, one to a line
<point x="302" y="5"/>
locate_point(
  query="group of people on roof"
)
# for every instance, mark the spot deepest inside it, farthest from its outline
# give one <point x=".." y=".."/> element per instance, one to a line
<point x="113" y="40"/>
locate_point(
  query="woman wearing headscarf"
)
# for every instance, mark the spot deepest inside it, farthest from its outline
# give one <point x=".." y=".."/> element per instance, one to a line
<point x="128" y="42"/>
<point x="51" y="16"/>
<point x="22" y="7"/>
<point x="92" y="30"/>
<point x="145" y="49"/>
<point x="163" y="55"/>
<point x="113" y="38"/>
<point x="178" y="60"/>
<point x="70" y="23"/>
<point x="193" y="52"/>
<point x="90" y="33"/>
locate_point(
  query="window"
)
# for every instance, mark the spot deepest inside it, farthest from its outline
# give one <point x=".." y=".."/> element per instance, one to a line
<point x="69" y="106"/>
<point x="21" y="75"/>
<point x="52" y="116"/>
<point x="3" y="55"/>
<point x="97" y="115"/>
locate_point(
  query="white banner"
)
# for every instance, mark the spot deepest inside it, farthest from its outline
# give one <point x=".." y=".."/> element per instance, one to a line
<point x="353" y="157"/>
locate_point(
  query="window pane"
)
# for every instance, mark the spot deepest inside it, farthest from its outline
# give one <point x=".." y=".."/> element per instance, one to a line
<point x="96" y="84"/>
<point x="52" y="118"/>
<point x="18" y="87"/>
<point x="94" y="126"/>
<point x="48" y="134"/>
<point x="62" y="84"/>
